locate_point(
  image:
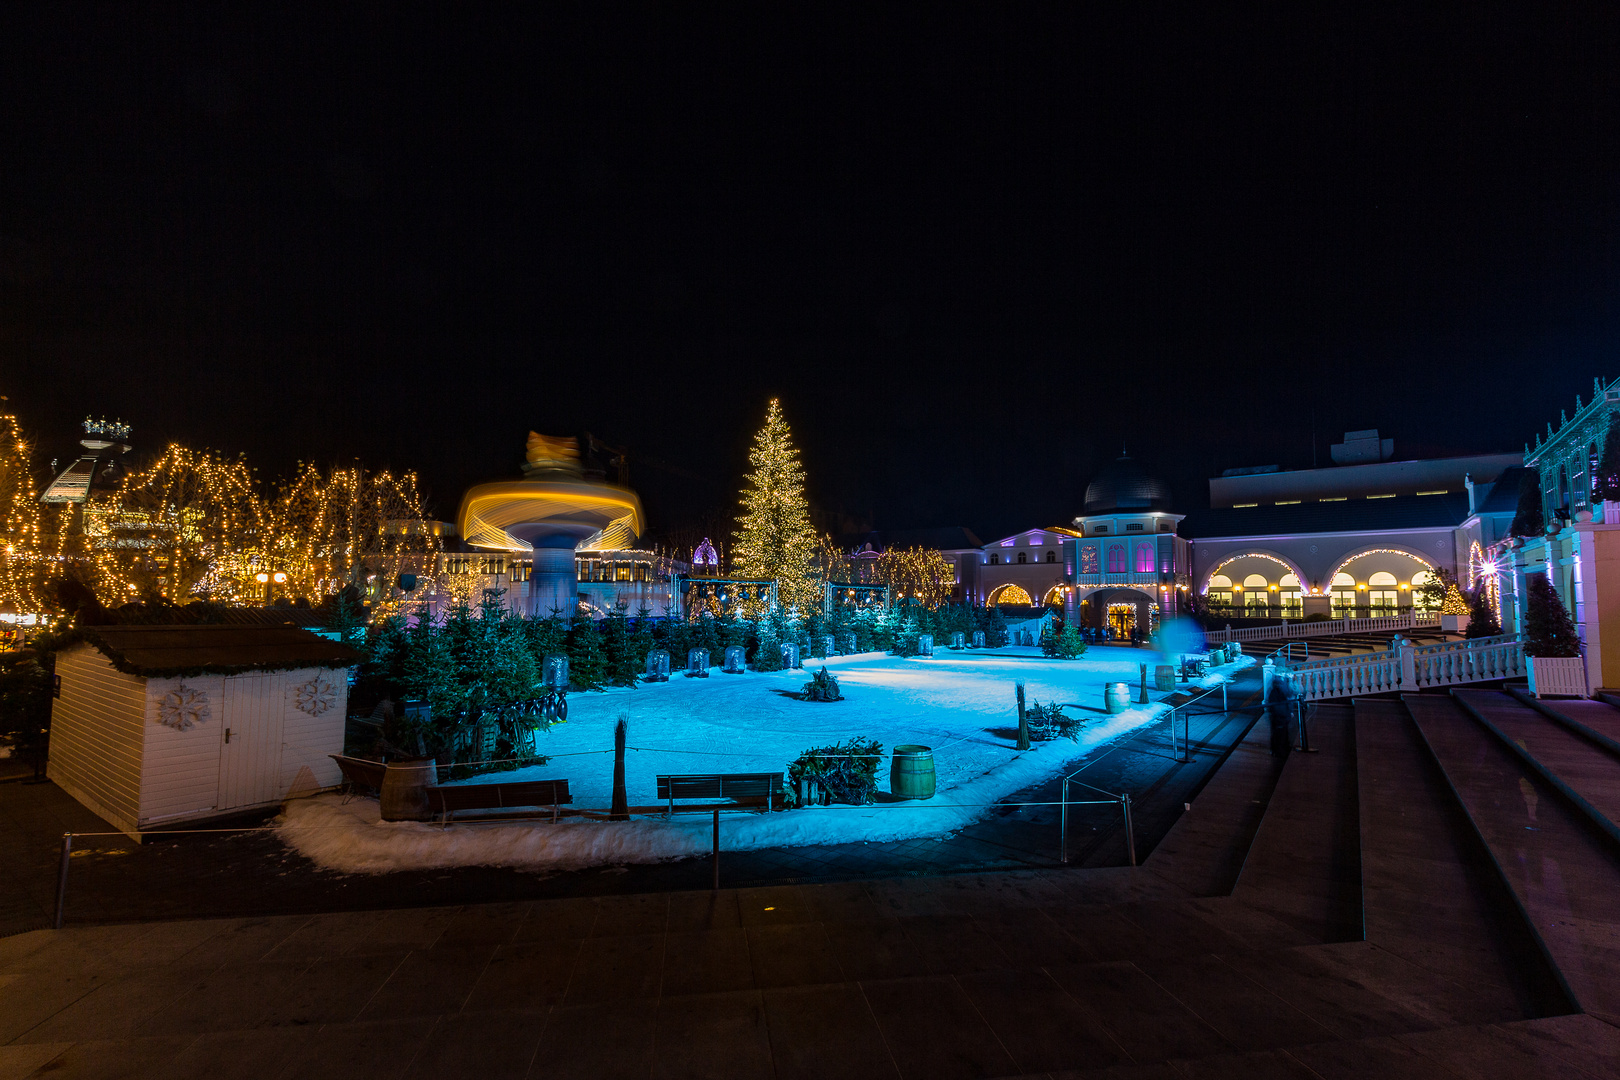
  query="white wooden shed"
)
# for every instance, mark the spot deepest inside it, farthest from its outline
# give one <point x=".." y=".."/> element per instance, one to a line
<point x="158" y="725"/>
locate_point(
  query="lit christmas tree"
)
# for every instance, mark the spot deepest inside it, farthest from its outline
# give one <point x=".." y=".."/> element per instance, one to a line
<point x="775" y="539"/>
<point x="21" y="563"/>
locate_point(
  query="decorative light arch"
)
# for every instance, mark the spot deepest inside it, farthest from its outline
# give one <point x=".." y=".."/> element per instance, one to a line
<point x="1056" y="594"/>
<point x="1268" y="556"/>
<point x="1348" y="559"/>
<point x="1009" y="594"/>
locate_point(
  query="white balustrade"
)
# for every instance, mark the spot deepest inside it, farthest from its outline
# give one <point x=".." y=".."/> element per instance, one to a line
<point x="1278" y="631"/>
<point x="1408" y="668"/>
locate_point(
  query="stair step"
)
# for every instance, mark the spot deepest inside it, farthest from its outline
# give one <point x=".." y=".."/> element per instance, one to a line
<point x="1590" y="773"/>
<point x="1430" y="893"/>
<point x="1204" y="850"/>
<point x="1564" y="872"/>
<point x="1598" y="721"/>
<point x="1304" y="866"/>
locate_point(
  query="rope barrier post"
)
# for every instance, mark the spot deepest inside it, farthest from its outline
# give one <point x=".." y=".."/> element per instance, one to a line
<point x="61" y="879"/>
<point x="1063" y="826"/>
<point x="1130" y="834"/>
<point x="717" y="849"/>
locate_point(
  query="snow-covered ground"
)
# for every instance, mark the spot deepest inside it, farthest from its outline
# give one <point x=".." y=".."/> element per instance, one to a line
<point x="961" y="704"/>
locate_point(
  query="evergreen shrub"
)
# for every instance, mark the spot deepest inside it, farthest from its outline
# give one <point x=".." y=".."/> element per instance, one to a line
<point x="823" y="686"/>
<point x="1548" y="629"/>
<point x="847" y="771"/>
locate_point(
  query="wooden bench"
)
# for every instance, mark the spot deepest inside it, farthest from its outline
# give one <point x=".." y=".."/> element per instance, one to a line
<point x="738" y="789"/>
<point x="359" y="773"/>
<point x="448" y="801"/>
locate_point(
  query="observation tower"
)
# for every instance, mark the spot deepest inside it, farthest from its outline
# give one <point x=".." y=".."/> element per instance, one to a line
<point x="552" y="512"/>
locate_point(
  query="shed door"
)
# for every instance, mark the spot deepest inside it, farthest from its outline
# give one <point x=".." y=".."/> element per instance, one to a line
<point x="250" y="759"/>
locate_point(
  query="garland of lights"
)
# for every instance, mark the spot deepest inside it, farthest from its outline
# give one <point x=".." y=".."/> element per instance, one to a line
<point x="1348" y="559"/>
<point x="1223" y="564"/>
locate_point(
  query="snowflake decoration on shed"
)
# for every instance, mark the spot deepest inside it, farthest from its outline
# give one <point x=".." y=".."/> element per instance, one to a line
<point x="183" y="708"/>
<point x="317" y="696"/>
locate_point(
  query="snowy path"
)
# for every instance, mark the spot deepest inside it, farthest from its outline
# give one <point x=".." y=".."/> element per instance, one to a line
<point x="959" y="703"/>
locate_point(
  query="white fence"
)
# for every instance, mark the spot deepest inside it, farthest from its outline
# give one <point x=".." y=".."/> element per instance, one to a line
<point x="1286" y="629"/>
<point x="1409" y="668"/>
<point x="1565" y="676"/>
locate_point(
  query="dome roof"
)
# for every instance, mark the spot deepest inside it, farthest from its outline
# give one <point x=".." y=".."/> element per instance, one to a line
<point x="1124" y="485"/>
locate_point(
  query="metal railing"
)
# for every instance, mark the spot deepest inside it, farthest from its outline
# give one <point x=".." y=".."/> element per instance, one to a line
<point x="1408" y="668"/>
<point x="1272" y="631"/>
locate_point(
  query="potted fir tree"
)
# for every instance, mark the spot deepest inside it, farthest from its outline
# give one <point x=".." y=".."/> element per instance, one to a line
<point x="1551" y="645"/>
<point x="1454" y="612"/>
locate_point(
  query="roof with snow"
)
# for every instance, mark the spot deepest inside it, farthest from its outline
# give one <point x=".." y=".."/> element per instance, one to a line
<point x="175" y="651"/>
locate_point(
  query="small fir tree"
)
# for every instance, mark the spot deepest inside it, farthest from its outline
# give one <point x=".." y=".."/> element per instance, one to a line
<point x="642" y="640"/>
<point x="1453" y="604"/>
<point x="995" y="632"/>
<point x="706" y="635"/>
<point x="768" y="651"/>
<point x="1482" y="621"/>
<point x="1528" y="519"/>
<point x="622" y="666"/>
<point x="774" y="537"/>
<point x="1548" y="630"/>
<point x="587" y="663"/>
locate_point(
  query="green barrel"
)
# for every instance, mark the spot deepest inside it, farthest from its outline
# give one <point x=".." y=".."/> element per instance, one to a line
<point x="1116" y="697"/>
<point x="911" y="772"/>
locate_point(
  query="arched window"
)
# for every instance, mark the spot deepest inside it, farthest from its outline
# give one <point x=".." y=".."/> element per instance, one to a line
<point x="1051" y="556"/>
<point x="1116" y="559"/>
<point x="1344" y="595"/>
<point x="1382" y="595"/>
<point x="1419" y="580"/>
<point x="1293" y="602"/>
<point x="995" y="558"/>
<point x="1144" y="558"/>
<point x="1020" y="556"/>
<point x="1256" y="598"/>
<point x="1220" y="591"/>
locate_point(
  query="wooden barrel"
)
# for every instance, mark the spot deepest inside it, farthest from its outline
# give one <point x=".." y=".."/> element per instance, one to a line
<point x="1217" y="656"/>
<point x="1116" y="696"/>
<point x="404" y="790"/>
<point x="1164" y="677"/>
<point x="911" y="772"/>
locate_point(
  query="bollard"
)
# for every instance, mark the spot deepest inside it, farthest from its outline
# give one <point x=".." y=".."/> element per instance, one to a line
<point x="717" y="850"/>
<point x="1143" y="699"/>
<point x="61" y="878"/>
<point x="1130" y="834"/>
<point x="1063" y="819"/>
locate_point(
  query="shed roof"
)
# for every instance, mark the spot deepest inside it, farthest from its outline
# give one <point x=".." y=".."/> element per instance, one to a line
<point x="174" y="651"/>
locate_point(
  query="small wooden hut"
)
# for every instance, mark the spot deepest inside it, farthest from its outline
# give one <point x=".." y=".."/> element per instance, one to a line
<point x="154" y="726"/>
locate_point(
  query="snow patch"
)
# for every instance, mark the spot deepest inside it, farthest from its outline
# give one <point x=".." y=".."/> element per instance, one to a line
<point x="736" y="723"/>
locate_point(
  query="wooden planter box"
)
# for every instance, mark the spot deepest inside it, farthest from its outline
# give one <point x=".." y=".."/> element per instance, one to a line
<point x="1562" y="675"/>
<point x="1454" y="624"/>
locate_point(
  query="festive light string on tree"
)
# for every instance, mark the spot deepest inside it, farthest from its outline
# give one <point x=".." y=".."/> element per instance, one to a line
<point x="23" y="560"/>
<point x="917" y="573"/>
<point x="186" y="527"/>
<point x="774" y="536"/>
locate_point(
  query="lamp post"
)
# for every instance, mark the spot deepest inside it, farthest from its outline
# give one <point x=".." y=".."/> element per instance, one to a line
<point x="270" y="581"/>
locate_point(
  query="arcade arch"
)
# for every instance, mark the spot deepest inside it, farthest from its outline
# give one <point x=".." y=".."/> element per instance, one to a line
<point x="1009" y="594"/>
<point x="1256" y="583"/>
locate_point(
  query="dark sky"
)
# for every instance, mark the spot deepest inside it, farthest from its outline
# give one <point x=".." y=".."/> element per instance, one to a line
<point x="972" y="251"/>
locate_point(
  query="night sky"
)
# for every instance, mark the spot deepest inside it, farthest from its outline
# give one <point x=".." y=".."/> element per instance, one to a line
<point x="973" y="252"/>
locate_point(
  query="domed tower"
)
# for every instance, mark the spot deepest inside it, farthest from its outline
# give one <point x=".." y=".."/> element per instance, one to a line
<point x="1127" y="564"/>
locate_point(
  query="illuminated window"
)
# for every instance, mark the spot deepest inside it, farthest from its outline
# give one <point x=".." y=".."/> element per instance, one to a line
<point x="1220" y="591"/>
<point x="1116" y="558"/>
<point x="1144" y="558"/>
<point x="1344" y="595"/>
<point x="1291" y="596"/>
<point x="1419" y="580"/>
<point x="1090" y="562"/>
